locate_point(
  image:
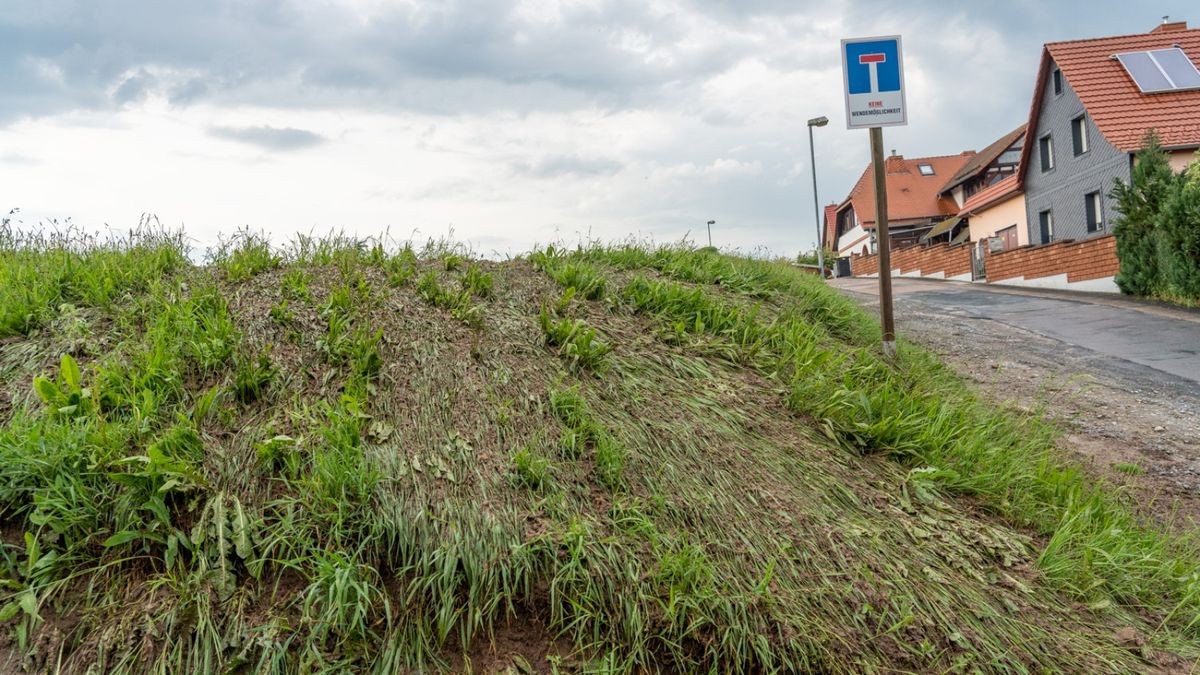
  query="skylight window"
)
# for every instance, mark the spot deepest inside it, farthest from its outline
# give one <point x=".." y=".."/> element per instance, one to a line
<point x="1161" y="70"/>
<point x="925" y="169"/>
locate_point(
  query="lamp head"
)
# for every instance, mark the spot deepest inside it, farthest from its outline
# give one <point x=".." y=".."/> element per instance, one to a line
<point x="818" y="121"/>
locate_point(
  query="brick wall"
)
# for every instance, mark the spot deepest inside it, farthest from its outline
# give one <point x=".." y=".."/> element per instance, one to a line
<point x="1081" y="260"/>
<point x="863" y="265"/>
<point x="942" y="260"/>
<point x="1091" y="260"/>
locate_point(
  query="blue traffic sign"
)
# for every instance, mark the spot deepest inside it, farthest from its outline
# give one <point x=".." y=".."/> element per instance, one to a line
<point x="874" y="80"/>
<point x="864" y="57"/>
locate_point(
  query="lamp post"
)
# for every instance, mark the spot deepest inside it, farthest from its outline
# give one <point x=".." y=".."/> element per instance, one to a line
<point x="817" y="122"/>
<point x="710" y="224"/>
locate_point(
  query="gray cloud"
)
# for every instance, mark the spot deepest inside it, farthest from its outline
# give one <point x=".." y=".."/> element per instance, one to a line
<point x="134" y="88"/>
<point x="91" y="54"/>
<point x="708" y="79"/>
<point x="452" y="57"/>
<point x="270" y="138"/>
<point x="188" y="91"/>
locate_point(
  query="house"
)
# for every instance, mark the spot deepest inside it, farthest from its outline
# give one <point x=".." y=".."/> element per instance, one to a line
<point x="1092" y="106"/>
<point x="829" y="228"/>
<point x="915" y="203"/>
<point x="988" y="195"/>
<point x="997" y="211"/>
<point x="989" y="166"/>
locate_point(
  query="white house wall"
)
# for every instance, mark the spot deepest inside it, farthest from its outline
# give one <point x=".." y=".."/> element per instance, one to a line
<point x="853" y="241"/>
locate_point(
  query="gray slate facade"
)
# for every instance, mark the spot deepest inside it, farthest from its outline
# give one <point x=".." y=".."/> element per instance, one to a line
<point x="1062" y="189"/>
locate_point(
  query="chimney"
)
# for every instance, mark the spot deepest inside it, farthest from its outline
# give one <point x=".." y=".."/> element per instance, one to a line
<point x="1168" y="26"/>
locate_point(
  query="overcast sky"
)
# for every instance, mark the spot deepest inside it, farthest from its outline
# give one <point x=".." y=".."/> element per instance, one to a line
<point x="506" y="123"/>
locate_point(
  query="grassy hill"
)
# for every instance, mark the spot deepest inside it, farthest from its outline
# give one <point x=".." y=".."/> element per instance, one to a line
<point x="611" y="459"/>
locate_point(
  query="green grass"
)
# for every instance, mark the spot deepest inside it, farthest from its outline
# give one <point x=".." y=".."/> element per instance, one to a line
<point x="531" y="469"/>
<point x="920" y="414"/>
<point x="457" y="302"/>
<point x="1129" y="468"/>
<point x="577" y="343"/>
<point x="40" y="272"/>
<point x="310" y="466"/>
<point x="586" y="279"/>
<point x="246" y="256"/>
<point x="401" y="267"/>
<point x="477" y="282"/>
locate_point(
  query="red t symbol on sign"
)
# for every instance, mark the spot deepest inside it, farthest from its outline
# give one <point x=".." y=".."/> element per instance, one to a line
<point x="873" y="61"/>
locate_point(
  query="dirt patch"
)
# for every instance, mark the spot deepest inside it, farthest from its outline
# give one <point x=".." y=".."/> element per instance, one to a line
<point x="520" y="644"/>
<point x="1133" y="426"/>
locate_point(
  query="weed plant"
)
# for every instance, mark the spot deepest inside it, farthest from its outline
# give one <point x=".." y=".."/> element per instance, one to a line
<point x="477" y="282"/>
<point x="457" y="302"/>
<point x="577" y="343"/>
<point x="245" y="256"/>
<point x="44" y="270"/>
<point x="583" y="432"/>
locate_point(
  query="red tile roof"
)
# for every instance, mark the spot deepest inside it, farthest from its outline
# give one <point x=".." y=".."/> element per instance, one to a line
<point x="911" y="196"/>
<point x="983" y="158"/>
<point x="990" y="195"/>
<point x="831" y="225"/>
<point x="1122" y="113"/>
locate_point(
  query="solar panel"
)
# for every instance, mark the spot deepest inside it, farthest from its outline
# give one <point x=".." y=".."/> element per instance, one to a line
<point x="1145" y="72"/>
<point x="1178" y="67"/>
<point x="1161" y="70"/>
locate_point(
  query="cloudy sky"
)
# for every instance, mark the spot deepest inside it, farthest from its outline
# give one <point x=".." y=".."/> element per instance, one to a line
<point x="504" y="123"/>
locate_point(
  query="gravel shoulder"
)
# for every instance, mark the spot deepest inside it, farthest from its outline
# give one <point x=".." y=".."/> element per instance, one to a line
<point x="1135" y="427"/>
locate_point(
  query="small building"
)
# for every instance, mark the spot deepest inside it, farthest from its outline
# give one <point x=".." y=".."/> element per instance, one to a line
<point x="997" y="211"/>
<point x="997" y="161"/>
<point x="1093" y="104"/>
<point x="915" y="203"/>
<point x="989" y="196"/>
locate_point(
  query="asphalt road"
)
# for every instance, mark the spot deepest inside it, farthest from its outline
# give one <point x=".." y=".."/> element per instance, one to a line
<point x="1164" y="338"/>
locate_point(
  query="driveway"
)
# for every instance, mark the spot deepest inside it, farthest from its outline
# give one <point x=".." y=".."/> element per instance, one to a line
<point x="1120" y="376"/>
<point x="1164" y="338"/>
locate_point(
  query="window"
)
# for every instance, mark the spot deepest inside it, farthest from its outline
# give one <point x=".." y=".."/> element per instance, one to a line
<point x="1079" y="135"/>
<point x="1009" y="158"/>
<point x="925" y="169"/>
<point x="845" y="222"/>
<point x="1161" y="70"/>
<point x="1057" y="77"/>
<point x="1046" y="152"/>
<point x="1095" y="211"/>
<point x="1046" y="221"/>
<point x="1008" y="237"/>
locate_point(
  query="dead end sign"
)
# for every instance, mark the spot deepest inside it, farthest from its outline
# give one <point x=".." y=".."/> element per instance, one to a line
<point x="873" y="70"/>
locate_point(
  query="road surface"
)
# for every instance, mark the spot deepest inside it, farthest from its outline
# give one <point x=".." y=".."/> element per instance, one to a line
<point x="1163" y="338"/>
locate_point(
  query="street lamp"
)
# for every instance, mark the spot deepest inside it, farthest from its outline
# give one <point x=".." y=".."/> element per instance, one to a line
<point x="817" y="122"/>
<point x="710" y="224"/>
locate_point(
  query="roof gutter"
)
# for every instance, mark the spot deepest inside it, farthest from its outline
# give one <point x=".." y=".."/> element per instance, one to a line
<point x="1186" y="146"/>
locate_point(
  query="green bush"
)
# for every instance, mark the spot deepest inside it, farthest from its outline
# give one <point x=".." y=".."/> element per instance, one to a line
<point x="1179" y="242"/>
<point x="1158" y="229"/>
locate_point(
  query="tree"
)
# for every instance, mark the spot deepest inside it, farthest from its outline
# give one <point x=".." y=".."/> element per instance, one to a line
<point x="1140" y="204"/>
<point x="1179" y="239"/>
